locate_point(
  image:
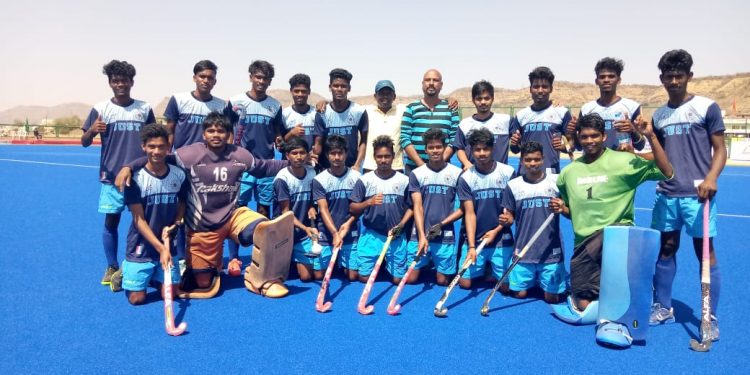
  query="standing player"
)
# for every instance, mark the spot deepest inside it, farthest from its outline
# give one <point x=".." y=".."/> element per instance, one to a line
<point x="118" y="122"/>
<point x="618" y="113"/>
<point x="343" y="117"/>
<point x="292" y="191"/>
<point x="257" y="122"/>
<point x="541" y="122"/>
<point x="692" y="130"/>
<point x="186" y="111"/>
<point x="430" y="112"/>
<point x="386" y="120"/>
<point x="156" y="199"/>
<point x="299" y="119"/>
<point x="433" y="190"/>
<point x="480" y="190"/>
<point x="215" y="169"/>
<point x="381" y="198"/>
<point x="331" y="190"/>
<point x="597" y="190"/>
<point x="527" y="203"/>
<point x="482" y="95"/>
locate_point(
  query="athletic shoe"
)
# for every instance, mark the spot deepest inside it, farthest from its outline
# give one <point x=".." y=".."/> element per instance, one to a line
<point x="108" y="275"/>
<point x="661" y="315"/>
<point x="714" y="329"/>
<point x="116" y="281"/>
<point x="614" y="335"/>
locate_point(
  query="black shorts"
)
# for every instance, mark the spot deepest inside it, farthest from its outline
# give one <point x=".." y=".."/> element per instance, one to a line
<point x="586" y="267"/>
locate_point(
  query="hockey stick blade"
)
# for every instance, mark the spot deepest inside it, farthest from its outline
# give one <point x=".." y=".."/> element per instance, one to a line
<point x="320" y="304"/>
<point x="393" y="307"/>
<point x="440" y="311"/>
<point x="485" y="310"/>
<point x="362" y="306"/>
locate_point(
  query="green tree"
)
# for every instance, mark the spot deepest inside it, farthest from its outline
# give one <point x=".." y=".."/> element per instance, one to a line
<point x="64" y="125"/>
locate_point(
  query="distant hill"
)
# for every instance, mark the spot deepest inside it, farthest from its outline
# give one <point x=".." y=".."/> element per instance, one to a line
<point x="723" y="89"/>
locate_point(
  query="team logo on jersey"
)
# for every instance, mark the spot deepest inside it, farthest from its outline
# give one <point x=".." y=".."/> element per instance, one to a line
<point x="268" y="107"/>
<point x="139" y="117"/>
<point x="350" y="119"/>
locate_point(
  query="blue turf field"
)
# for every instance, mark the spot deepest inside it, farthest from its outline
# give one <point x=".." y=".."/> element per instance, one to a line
<point x="55" y="317"/>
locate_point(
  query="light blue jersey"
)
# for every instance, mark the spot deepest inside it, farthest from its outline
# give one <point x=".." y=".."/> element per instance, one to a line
<point x="121" y="142"/>
<point x="438" y="190"/>
<point x="498" y="124"/>
<point x="485" y="191"/>
<point x="348" y="124"/>
<point x="540" y="126"/>
<point x="615" y="111"/>
<point x="335" y="190"/>
<point x="291" y="118"/>
<point x="298" y="191"/>
<point x="188" y="114"/>
<point x="685" y="132"/>
<point x="256" y="124"/>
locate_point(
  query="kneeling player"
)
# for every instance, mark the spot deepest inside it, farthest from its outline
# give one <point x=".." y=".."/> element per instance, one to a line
<point x="480" y="190"/>
<point x="331" y="191"/>
<point x="433" y="191"/>
<point x="292" y="191"/>
<point x="215" y="169"/>
<point x="156" y="199"/>
<point x="380" y="197"/>
<point x="527" y="203"/>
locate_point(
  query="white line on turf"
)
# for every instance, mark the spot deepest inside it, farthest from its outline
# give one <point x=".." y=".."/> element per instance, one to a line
<point x="49" y="163"/>
<point x="726" y="215"/>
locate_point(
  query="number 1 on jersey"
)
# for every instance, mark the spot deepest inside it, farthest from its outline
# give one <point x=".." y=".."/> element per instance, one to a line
<point x="588" y="196"/>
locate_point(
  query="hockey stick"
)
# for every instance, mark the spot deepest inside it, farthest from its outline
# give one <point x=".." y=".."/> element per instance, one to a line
<point x="485" y="311"/>
<point x="168" y="312"/>
<point x="393" y="307"/>
<point x="362" y="305"/>
<point x="320" y="303"/>
<point x="705" y="344"/>
<point x="441" y="311"/>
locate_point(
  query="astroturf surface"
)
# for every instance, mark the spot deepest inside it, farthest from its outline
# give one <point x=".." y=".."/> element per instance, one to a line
<point x="55" y="317"/>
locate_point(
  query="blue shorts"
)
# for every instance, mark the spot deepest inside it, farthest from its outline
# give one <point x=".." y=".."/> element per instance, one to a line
<point x="111" y="201"/>
<point x="443" y="255"/>
<point x="303" y="247"/>
<point x="136" y="276"/>
<point x="497" y="257"/>
<point x="348" y="256"/>
<point x="670" y="214"/>
<point x="259" y="188"/>
<point x="368" y="250"/>
<point x="552" y="277"/>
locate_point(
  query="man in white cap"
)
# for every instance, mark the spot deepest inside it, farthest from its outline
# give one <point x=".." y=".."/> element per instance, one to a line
<point x="385" y="119"/>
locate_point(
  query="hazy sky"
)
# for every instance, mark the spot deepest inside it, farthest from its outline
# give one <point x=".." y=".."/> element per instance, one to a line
<point x="53" y="51"/>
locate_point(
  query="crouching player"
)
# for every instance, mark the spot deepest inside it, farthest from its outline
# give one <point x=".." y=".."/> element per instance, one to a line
<point x="215" y="168"/>
<point x="433" y="191"/>
<point x="597" y="191"/>
<point x="526" y="202"/>
<point x="480" y="190"/>
<point x="331" y="191"/>
<point x="380" y="197"/>
<point x="292" y="191"/>
<point x="156" y="199"/>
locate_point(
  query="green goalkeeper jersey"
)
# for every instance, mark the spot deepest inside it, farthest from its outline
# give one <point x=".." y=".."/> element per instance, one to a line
<point x="601" y="193"/>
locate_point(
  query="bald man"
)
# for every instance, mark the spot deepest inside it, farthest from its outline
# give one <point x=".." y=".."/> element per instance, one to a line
<point x="430" y="112"/>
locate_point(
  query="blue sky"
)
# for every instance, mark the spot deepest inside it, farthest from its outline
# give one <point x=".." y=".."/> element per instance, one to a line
<point x="53" y="50"/>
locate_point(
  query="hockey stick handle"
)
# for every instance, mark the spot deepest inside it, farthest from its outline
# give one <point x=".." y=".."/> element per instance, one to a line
<point x="706" y="256"/>
<point x="362" y="306"/>
<point x="168" y="310"/>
